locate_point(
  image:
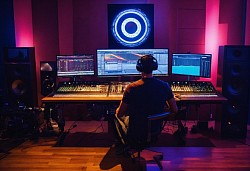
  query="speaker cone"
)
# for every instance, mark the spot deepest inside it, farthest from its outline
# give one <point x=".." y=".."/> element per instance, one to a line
<point x="235" y="86"/>
<point x="18" y="87"/>
<point x="48" y="86"/>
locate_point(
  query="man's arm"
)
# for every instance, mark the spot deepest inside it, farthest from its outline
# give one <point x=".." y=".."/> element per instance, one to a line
<point x="121" y="110"/>
<point x="172" y="105"/>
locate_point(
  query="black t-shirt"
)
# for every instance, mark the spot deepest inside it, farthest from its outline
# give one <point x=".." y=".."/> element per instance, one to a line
<point x="145" y="97"/>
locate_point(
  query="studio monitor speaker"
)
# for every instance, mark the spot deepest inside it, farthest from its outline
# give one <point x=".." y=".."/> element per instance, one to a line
<point x="20" y="76"/>
<point x="235" y="87"/>
<point x="48" y="77"/>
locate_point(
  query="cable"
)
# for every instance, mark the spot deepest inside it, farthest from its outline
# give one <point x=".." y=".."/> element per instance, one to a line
<point x="62" y="137"/>
<point x="72" y="126"/>
<point x="100" y="126"/>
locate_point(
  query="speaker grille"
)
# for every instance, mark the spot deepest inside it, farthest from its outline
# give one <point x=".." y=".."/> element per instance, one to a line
<point x="20" y="77"/>
<point x="48" y="77"/>
<point x="235" y="87"/>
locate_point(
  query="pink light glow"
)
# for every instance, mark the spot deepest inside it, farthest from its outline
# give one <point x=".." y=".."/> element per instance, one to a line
<point x="247" y="37"/>
<point x="23" y="23"/>
<point x="211" y="35"/>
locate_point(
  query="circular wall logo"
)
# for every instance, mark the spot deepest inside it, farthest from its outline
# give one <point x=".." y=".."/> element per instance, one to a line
<point x="131" y="27"/>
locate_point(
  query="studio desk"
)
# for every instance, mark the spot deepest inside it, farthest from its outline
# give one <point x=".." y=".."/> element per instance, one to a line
<point x="192" y="95"/>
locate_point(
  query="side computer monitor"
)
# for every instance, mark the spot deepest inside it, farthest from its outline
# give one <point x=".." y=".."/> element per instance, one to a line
<point x="122" y="62"/>
<point x="188" y="64"/>
<point x="75" y="65"/>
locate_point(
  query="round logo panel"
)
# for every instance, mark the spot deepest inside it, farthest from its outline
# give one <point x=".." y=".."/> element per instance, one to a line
<point x="131" y="27"/>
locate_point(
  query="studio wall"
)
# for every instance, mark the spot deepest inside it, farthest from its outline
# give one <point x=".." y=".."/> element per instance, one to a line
<point x="77" y="26"/>
<point x="84" y="29"/>
<point x="45" y="33"/>
<point x="7" y="38"/>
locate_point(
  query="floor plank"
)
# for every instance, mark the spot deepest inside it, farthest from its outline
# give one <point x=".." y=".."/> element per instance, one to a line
<point x="43" y="155"/>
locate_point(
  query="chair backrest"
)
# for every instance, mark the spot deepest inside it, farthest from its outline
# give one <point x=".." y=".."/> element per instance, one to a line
<point x="161" y="117"/>
<point x="155" y="125"/>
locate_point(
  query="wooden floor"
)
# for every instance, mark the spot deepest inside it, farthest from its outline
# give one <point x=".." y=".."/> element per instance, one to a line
<point x="42" y="155"/>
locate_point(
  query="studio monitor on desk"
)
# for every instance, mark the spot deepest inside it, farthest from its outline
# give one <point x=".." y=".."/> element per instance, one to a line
<point x="235" y="87"/>
<point x="20" y="76"/>
<point x="48" y="77"/>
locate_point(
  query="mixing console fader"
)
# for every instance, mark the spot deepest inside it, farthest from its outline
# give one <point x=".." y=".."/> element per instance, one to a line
<point x="193" y="88"/>
<point x="82" y="89"/>
<point x="85" y="89"/>
<point x="117" y="88"/>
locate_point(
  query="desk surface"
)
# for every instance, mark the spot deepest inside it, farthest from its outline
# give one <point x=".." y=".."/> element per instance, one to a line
<point x="68" y="99"/>
<point x="80" y="99"/>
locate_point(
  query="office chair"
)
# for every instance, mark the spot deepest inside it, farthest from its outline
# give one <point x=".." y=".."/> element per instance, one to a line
<point x="138" y="147"/>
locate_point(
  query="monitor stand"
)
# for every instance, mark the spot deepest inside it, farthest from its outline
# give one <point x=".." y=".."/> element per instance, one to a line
<point x="73" y="79"/>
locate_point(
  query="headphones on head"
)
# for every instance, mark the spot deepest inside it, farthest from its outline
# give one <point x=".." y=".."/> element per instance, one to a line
<point x="147" y="64"/>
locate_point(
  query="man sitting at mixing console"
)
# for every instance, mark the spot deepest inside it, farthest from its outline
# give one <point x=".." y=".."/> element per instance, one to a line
<point x="144" y="97"/>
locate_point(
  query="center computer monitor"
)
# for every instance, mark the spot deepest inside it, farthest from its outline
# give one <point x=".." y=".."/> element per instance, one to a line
<point x="188" y="64"/>
<point x="75" y="65"/>
<point x="122" y="62"/>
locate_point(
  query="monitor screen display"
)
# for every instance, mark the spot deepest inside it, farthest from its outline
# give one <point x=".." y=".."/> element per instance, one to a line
<point x="75" y="65"/>
<point x="122" y="62"/>
<point x="188" y="64"/>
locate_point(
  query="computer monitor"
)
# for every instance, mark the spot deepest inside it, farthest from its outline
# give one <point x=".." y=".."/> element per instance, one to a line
<point x="122" y="62"/>
<point x="75" y="65"/>
<point x="188" y="64"/>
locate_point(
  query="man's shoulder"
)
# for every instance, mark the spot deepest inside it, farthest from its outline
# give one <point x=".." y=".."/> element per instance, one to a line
<point x="136" y="83"/>
<point x="161" y="81"/>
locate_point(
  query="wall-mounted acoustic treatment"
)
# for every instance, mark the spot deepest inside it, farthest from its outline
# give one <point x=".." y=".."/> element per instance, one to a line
<point x="131" y="25"/>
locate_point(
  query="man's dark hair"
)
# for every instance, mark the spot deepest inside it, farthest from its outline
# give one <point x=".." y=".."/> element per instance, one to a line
<point x="147" y="64"/>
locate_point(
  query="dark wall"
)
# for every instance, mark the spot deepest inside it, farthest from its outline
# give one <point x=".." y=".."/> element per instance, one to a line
<point x="80" y="26"/>
<point x="231" y="13"/>
<point x="45" y="33"/>
<point x="190" y="26"/>
<point x="7" y="36"/>
<point x="45" y="28"/>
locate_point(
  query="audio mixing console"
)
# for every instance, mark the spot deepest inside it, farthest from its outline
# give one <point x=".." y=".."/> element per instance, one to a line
<point x="193" y="88"/>
<point x="78" y="89"/>
<point x="86" y="89"/>
<point x="116" y="89"/>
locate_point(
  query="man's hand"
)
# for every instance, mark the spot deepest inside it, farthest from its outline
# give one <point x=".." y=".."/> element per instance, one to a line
<point x="177" y="97"/>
